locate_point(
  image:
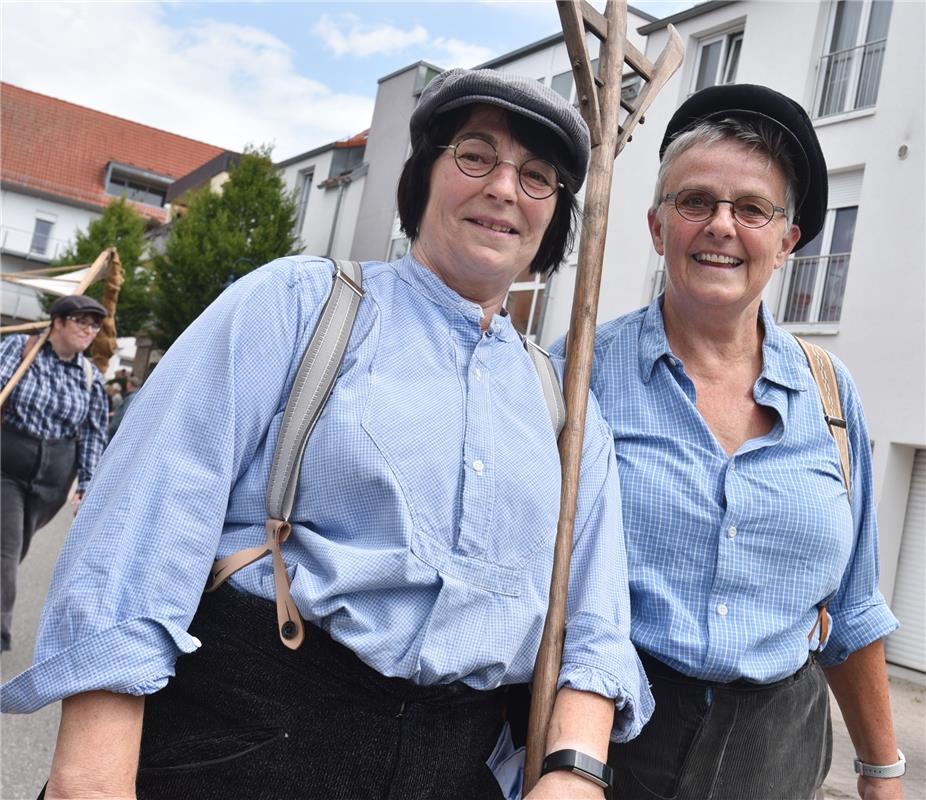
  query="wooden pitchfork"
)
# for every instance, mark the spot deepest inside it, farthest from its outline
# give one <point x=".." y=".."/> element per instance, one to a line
<point x="600" y="103"/>
<point x="106" y="264"/>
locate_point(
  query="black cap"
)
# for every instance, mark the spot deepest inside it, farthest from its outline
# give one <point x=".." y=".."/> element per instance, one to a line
<point x="525" y="96"/>
<point x="750" y="100"/>
<point x="76" y="304"/>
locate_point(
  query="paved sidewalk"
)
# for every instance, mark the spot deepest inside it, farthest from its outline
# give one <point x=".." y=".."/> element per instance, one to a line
<point x="27" y="741"/>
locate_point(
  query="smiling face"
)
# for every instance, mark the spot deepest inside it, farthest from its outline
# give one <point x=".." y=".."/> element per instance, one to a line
<point x="719" y="264"/>
<point x="478" y="234"/>
<point x="70" y="337"/>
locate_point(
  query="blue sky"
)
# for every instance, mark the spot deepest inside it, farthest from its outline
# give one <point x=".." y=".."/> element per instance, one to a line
<point x="296" y="74"/>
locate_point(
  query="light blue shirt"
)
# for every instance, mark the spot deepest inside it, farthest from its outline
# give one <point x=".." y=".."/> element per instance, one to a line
<point x="729" y="557"/>
<point x="424" y="521"/>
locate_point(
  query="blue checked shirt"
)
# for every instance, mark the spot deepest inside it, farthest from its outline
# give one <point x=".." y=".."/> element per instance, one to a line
<point x="424" y="520"/>
<point x="51" y="401"/>
<point x="729" y="557"/>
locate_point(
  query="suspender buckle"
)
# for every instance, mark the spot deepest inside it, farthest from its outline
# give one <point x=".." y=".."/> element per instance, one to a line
<point x="340" y="275"/>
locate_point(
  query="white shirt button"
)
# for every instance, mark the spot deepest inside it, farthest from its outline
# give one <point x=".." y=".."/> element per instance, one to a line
<point x="731" y="532"/>
<point x="722" y="609"/>
<point x="478" y="374"/>
<point x="478" y="466"/>
<point x="673" y="361"/>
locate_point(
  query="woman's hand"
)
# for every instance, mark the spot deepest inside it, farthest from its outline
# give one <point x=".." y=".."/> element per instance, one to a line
<point x="75" y="502"/>
<point x="564" y="785"/>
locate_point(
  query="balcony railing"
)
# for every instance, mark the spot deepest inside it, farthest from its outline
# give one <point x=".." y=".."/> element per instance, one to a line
<point x="848" y="80"/>
<point x="813" y="288"/>
<point x="24" y="243"/>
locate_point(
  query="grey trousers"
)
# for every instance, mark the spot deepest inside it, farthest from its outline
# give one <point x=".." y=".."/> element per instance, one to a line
<point x="36" y="477"/>
<point x="738" y="741"/>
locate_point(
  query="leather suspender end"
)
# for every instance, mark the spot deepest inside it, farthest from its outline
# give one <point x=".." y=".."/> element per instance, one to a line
<point x="835" y="422"/>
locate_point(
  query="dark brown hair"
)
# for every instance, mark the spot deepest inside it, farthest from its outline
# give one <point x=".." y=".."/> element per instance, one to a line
<point x="414" y="182"/>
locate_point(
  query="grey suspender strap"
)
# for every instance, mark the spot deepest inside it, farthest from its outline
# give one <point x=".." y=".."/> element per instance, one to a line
<point x="824" y="376"/>
<point x="311" y="388"/>
<point x="549" y="382"/>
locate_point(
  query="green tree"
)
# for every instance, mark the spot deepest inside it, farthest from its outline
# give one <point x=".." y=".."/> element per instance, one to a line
<point x="122" y="228"/>
<point x="221" y="237"/>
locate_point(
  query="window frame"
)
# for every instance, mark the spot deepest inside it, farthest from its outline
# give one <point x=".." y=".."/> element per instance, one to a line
<point x="45" y="238"/>
<point x="856" y="53"/>
<point x="731" y="41"/>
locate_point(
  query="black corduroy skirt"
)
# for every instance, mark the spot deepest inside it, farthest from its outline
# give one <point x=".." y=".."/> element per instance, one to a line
<point x="734" y="741"/>
<point x="245" y="717"/>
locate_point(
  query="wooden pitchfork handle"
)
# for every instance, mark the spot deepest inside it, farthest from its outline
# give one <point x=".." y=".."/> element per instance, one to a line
<point x="99" y="265"/>
<point x="600" y="103"/>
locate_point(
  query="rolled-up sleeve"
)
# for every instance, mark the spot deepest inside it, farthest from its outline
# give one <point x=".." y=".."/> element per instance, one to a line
<point x="132" y="570"/>
<point x="598" y="655"/>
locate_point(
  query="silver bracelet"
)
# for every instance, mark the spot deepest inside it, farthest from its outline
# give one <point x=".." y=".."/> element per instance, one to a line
<point x="894" y="770"/>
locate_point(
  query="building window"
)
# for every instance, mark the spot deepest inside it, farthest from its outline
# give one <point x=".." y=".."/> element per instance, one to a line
<point x="718" y="59"/>
<point x="305" y="189"/>
<point x="41" y="235"/>
<point x="137" y="185"/>
<point x="562" y="84"/>
<point x="815" y="281"/>
<point x="525" y="303"/>
<point x="850" y="70"/>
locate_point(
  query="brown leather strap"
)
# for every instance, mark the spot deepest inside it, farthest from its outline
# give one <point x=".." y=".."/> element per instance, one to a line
<point x="824" y="375"/>
<point x="289" y="622"/>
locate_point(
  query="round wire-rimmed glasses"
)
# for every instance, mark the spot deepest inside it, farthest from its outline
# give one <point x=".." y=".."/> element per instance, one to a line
<point x="86" y="324"/>
<point x="697" y="205"/>
<point x="477" y="158"/>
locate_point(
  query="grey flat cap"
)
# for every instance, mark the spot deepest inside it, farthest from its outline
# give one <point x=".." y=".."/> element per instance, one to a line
<point x="76" y="304"/>
<point x="525" y="96"/>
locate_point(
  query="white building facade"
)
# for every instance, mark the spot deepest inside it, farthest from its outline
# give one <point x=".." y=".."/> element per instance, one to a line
<point x="859" y="289"/>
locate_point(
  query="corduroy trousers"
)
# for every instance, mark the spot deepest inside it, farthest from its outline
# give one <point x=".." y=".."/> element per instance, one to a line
<point x="245" y="717"/>
<point x="735" y="741"/>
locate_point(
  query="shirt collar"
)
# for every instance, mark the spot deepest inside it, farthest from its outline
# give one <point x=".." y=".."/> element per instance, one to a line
<point x="782" y="360"/>
<point x="653" y="342"/>
<point x="423" y="280"/>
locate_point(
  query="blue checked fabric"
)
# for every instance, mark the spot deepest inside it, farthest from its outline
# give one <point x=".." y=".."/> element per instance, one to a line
<point x="51" y="401"/>
<point x="424" y="520"/>
<point x="730" y="556"/>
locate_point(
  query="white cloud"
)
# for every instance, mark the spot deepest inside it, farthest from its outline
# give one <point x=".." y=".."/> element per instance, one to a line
<point x="454" y="53"/>
<point x="224" y="84"/>
<point x="346" y="34"/>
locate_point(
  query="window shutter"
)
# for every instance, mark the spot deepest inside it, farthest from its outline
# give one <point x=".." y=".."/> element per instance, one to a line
<point x="845" y="189"/>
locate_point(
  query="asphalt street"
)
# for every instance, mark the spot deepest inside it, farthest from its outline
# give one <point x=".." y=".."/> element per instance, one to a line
<point x="27" y="741"/>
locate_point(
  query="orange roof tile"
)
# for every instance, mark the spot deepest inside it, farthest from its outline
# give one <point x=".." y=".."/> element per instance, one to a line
<point x="62" y="149"/>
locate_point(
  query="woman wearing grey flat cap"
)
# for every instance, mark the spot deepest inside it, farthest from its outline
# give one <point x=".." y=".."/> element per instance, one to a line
<point x="54" y="430"/>
<point x="422" y="533"/>
<point x="753" y="563"/>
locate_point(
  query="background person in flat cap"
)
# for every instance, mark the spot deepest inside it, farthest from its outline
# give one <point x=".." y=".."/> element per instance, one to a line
<point x="423" y="527"/>
<point x="737" y="521"/>
<point x="54" y="429"/>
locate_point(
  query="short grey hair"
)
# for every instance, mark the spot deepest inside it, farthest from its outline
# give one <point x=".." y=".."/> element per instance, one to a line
<point x="760" y="136"/>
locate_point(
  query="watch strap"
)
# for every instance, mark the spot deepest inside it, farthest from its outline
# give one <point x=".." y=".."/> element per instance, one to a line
<point x="581" y="764"/>
<point x="894" y="770"/>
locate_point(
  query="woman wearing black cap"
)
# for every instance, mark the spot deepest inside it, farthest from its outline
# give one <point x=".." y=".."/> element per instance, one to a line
<point x="422" y="533"/>
<point x="740" y="531"/>
<point x="54" y="429"/>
